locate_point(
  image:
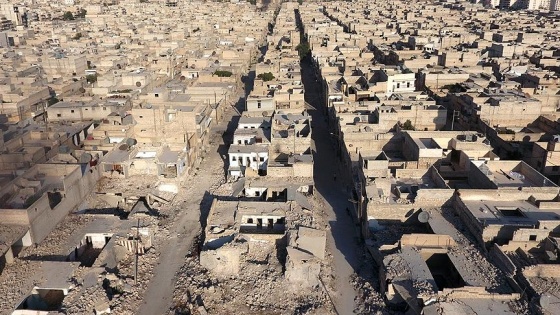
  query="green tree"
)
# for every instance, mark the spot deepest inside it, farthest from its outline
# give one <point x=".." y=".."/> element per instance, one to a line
<point x="68" y="16"/>
<point x="408" y="125"/>
<point x="91" y="78"/>
<point x="303" y="49"/>
<point x="223" y="73"/>
<point x="77" y="36"/>
<point x="300" y="2"/>
<point x="81" y="13"/>
<point x="267" y="76"/>
<point x="52" y="100"/>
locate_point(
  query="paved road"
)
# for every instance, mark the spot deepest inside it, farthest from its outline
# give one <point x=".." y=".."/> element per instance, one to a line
<point x="343" y="239"/>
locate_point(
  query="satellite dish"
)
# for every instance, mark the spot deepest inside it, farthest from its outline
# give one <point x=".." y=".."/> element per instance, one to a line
<point x="85" y="158"/>
<point x="423" y="217"/>
<point x="544" y="301"/>
<point x="265" y="113"/>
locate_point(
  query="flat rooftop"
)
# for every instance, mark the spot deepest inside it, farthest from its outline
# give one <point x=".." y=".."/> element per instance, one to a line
<point x="116" y="156"/>
<point x="252" y="148"/>
<point x="510" y="212"/>
<point x="223" y="213"/>
<point x="514" y="174"/>
<point x="254" y="207"/>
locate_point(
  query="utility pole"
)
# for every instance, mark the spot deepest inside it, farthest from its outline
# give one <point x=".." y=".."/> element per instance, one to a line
<point x="136" y="263"/>
<point x="294" y="141"/>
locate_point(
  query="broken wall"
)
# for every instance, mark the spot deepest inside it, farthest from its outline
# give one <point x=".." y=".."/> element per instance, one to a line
<point x="43" y="219"/>
<point x="302" y="269"/>
<point x="502" y="261"/>
<point x="311" y="240"/>
<point x="14" y="216"/>
<point x="542" y="270"/>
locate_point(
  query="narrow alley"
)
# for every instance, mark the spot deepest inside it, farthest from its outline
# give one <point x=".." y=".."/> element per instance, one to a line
<point x="343" y="241"/>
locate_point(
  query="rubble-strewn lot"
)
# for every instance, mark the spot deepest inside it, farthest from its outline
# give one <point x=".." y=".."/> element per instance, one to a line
<point x="119" y="290"/>
<point x="391" y="234"/>
<point x="18" y="278"/>
<point x="368" y="301"/>
<point x="260" y="287"/>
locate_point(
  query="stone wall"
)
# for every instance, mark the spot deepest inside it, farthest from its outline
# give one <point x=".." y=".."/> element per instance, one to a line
<point x="14" y="216"/>
<point x="433" y="197"/>
<point x="427" y="240"/>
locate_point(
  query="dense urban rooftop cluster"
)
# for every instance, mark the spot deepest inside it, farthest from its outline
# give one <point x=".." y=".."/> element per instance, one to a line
<point x="193" y="157"/>
<point x="445" y="115"/>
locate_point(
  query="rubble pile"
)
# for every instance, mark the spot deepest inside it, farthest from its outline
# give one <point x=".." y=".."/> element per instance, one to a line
<point x="82" y="300"/>
<point x="258" y="289"/>
<point x="546" y="285"/>
<point x="117" y="289"/>
<point x="391" y="234"/>
<point x="134" y="185"/>
<point x="467" y="247"/>
<point x="492" y="275"/>
<point x="396" y="266"/>
<point x="519" y="306"/>
<point x="298" y="216"/>
<point x="368" y="300"/>
<point x="14" y="286"/>
<point x="57" y="240"/>
<point x="451" y="216"/>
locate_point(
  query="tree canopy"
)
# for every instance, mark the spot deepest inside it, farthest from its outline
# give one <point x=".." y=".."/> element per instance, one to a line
<point x="81" y="13"/>
<point x="223" y="73"/>
<point x="408" y="125"/>
<point x="267" y="76"/>
<point x="91" y="78"/>
<point x="68" y="16"/>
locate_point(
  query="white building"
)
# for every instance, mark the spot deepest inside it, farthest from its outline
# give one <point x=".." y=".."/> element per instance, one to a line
<point x="242" y="157"/>
<point x="249" y="149"/>
<point x="400" y="83"/>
